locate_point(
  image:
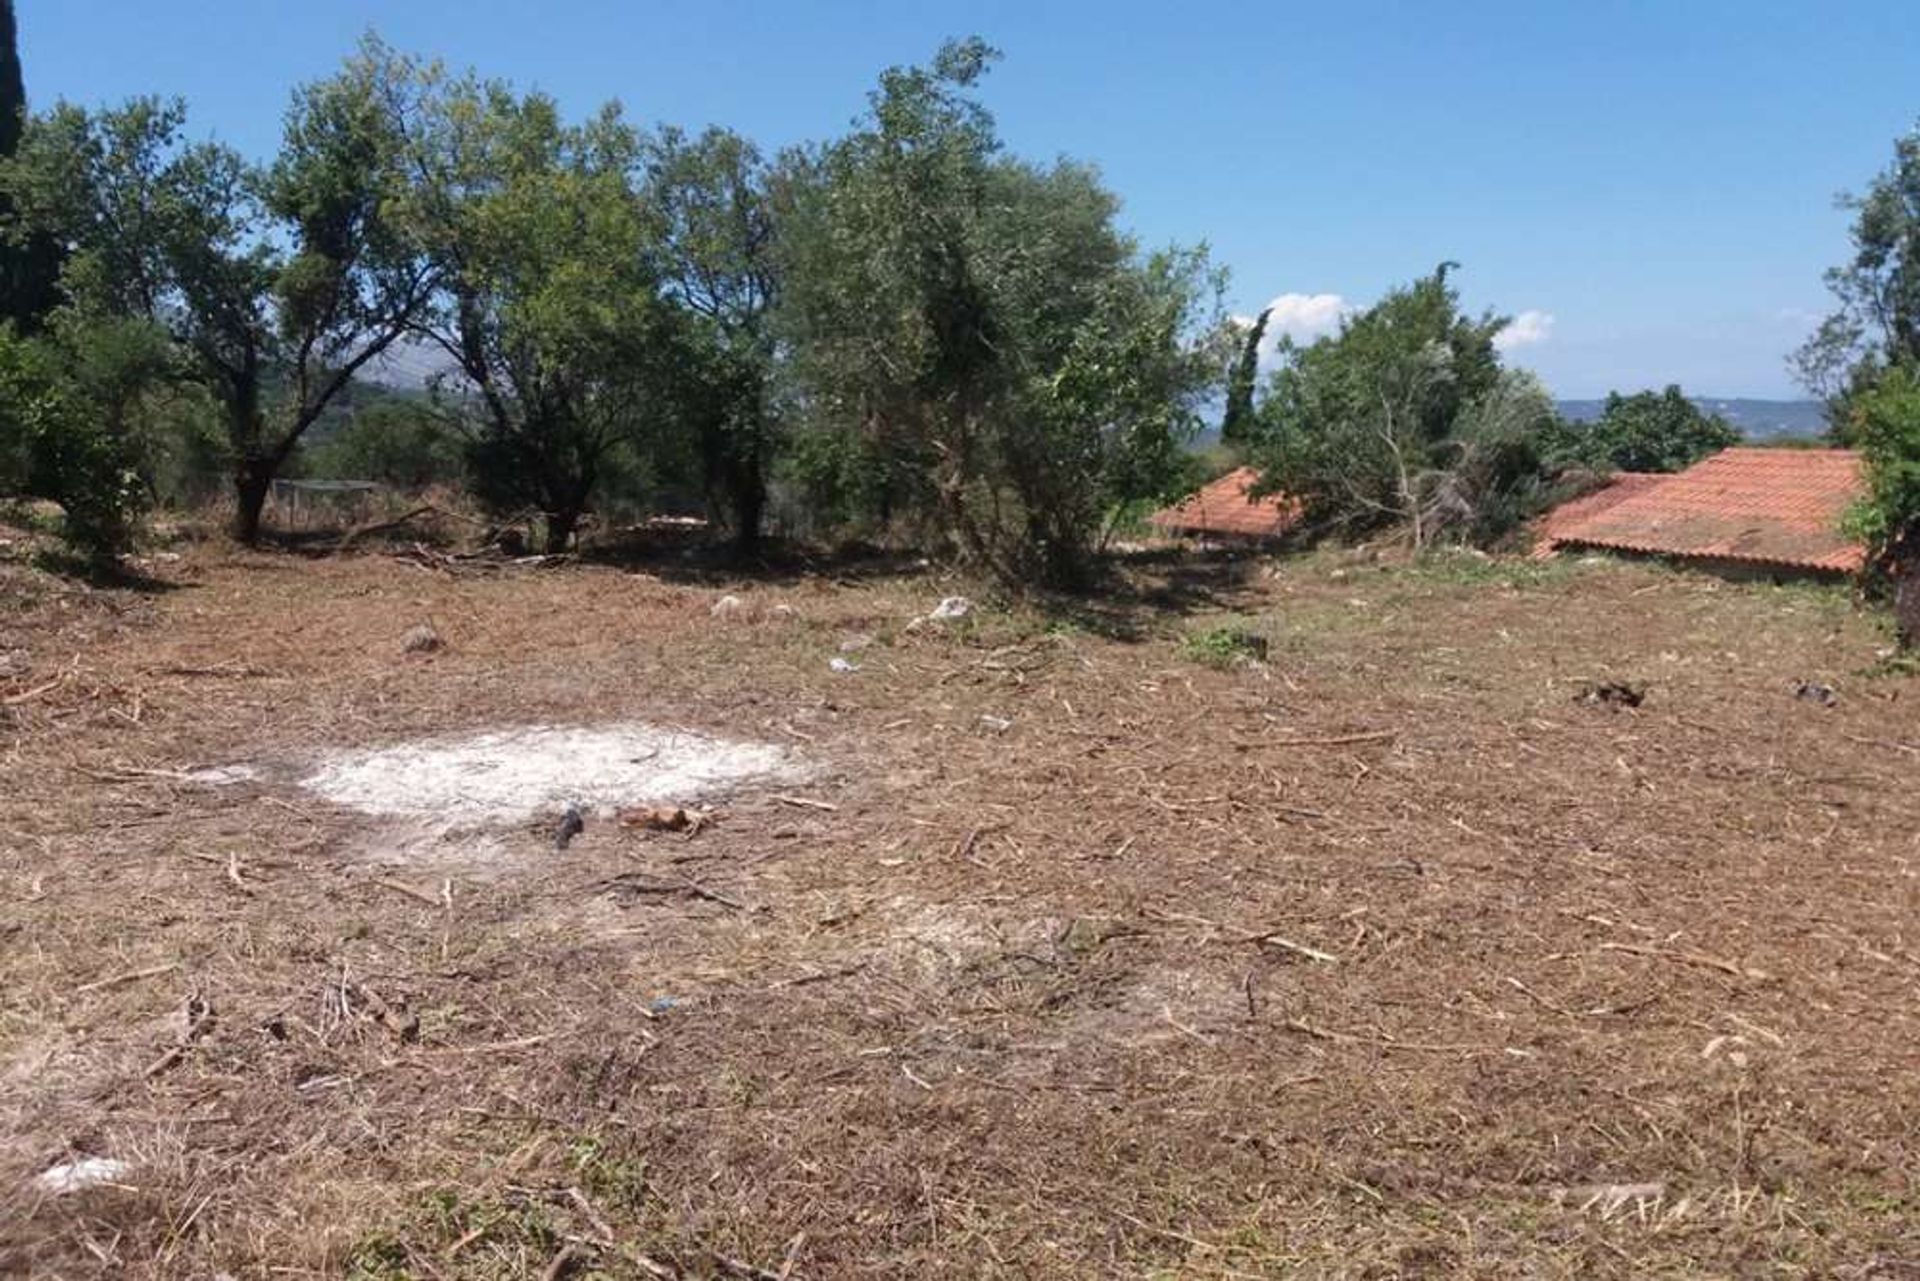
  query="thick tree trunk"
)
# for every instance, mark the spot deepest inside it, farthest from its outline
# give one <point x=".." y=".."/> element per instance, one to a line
<point x="749" y="509"/>
<point x="1905" y="567"/>
<point x="560" y="529"/>
<point x="251" y="484"/>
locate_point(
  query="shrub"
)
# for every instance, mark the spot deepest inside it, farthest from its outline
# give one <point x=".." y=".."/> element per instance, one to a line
<point x="54" y="444"/>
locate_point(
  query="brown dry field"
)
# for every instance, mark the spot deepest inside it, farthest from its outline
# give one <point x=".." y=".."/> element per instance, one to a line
<point x="1025" y="1002"/>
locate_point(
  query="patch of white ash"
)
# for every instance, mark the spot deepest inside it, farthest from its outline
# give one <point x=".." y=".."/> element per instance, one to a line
<point x="511" y="775"/>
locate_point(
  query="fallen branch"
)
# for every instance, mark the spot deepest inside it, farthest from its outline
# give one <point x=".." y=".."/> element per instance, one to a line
<point x="26" y="696"/>
<point x="804" y="803"/>
<point x="1268" y="939"/>
<point x="1335" y="740"/>
<point x="131" y="976"/>
<point x="401" y="887"/>
<point x="820" y="977"/>
<point x="741" y="1268"/>
<point x="561" y="1262"/>
<point x="1349" y="1038"/>
<point x="633" y="885"/>
<point x="1687" y="958"/>
<point x="494" y="1047"/>
<point x="347" y="540"/>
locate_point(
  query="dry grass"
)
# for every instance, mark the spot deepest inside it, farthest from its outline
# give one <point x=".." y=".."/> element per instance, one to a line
<point x="1610" y="993"/>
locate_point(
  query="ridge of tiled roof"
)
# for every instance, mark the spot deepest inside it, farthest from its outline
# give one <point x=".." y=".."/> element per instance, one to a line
<point x="1223" y="507"/>
<point x="1749" y="503"/>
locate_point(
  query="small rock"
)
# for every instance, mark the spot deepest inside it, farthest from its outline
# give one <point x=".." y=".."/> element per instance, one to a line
<point x="1813" y="692"/>
<point x="951" y="609"/>
<point x="421" y="639"/>
<point x="841" y="665"/>
<point x="1614" y="694"/>
<point x="727" y="606"/>
<point x="572" y="823"/>
<point x="998" y="724"/>
<point x="784" y="611"/>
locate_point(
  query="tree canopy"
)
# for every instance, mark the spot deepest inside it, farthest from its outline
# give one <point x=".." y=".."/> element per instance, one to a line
<point x="1361" y="426"/>
<point x="1875" y="325"/>
<point x="1650" y="432"/>
<point x="1011" y="363"/>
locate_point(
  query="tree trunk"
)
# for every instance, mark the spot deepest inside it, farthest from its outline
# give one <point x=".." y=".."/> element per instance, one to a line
<point x="1905" y="565"/>
<point x="251" y="484"/>
<point x="560" y="528"/>
<point x="749" y="508"/>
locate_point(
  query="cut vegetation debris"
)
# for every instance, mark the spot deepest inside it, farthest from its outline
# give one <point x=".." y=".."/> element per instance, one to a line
<point x="1387" y="960"/>
<point x="503" y="776"/>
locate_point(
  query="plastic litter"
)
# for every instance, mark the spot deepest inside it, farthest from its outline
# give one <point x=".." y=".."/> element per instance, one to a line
<point x="72" y="1176"/>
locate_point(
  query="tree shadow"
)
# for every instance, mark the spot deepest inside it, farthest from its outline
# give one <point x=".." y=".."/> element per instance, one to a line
<point x="105" y="573"/>
<point x="1139" y="588"/>
<point x="698" y="559"/>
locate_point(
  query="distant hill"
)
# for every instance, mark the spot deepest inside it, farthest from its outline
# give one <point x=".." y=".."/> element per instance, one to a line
<point x="1756" y="419"/>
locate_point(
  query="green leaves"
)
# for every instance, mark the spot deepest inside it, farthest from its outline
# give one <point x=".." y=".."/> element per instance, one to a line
<point x="1649" y="431"/>
<point x="1358" y="425"/>
<point x="1876" y="323"/>
<point x="1013" y="365"/>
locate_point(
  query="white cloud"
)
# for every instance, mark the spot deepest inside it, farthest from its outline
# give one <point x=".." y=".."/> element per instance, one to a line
<point x="1305" y="317"/>
<point x="1529" y="328"/>
<point x="1301" y="317"/>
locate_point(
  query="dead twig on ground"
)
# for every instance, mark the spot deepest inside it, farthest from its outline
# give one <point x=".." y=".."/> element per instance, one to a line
<point x="630" y="883"/>
<point x="1349" y="1038"/>
<point x="806" y="803"/>
<point x="401" y="887"/>
<point x="562" y="1260"/>
<point x="741" y="1268"/>
<point x="1701" y="959"/>
<point x="198" y="1013"/>
<point x="1333" y="740"/>
<point x="131" y="976"/>
<point x="1263" y="939"/>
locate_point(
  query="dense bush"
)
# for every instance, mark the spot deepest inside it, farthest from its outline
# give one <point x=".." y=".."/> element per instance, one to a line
<point x="55" y="444"/>
<point x="1647" y="432"/>
<point x="1884" y="425"/>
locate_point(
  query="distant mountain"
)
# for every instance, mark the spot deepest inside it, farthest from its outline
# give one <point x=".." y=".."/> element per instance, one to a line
<point x="1756" y="419"/>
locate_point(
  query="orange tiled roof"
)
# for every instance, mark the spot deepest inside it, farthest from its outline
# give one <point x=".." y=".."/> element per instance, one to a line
<point x="1619" y="487"/>
<point x="1772" y="506"/>
<point x="1224" y="508"/>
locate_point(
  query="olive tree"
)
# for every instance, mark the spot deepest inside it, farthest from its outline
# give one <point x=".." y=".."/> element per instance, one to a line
<point x="1010" y="359"/>
<point x="551" y="312"/>
<point x="278" y="283"/>
<point x="712" y="198"/>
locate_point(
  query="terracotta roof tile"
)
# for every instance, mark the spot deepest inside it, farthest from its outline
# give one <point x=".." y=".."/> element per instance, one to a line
<point x="1224" y="508"/>
<point x="1773" y="506"/>
<point x="1619" y="487"/>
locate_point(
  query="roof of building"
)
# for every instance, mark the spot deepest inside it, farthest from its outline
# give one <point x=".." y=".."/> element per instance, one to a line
<point x="1224" y="508"/>
<point x="1769" y="506"/>
<point x="1616" y="489"/>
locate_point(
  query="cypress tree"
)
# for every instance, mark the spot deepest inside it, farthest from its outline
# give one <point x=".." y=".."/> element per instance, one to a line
<point x="29" y="270"/>
<point x="1240" y="382"/>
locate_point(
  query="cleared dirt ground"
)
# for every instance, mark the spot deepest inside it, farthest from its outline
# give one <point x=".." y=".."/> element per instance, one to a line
<point x="1033" y="985"/>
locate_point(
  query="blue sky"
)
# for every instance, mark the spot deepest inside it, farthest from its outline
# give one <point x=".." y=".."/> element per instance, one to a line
<point x="1653" y="183"/>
